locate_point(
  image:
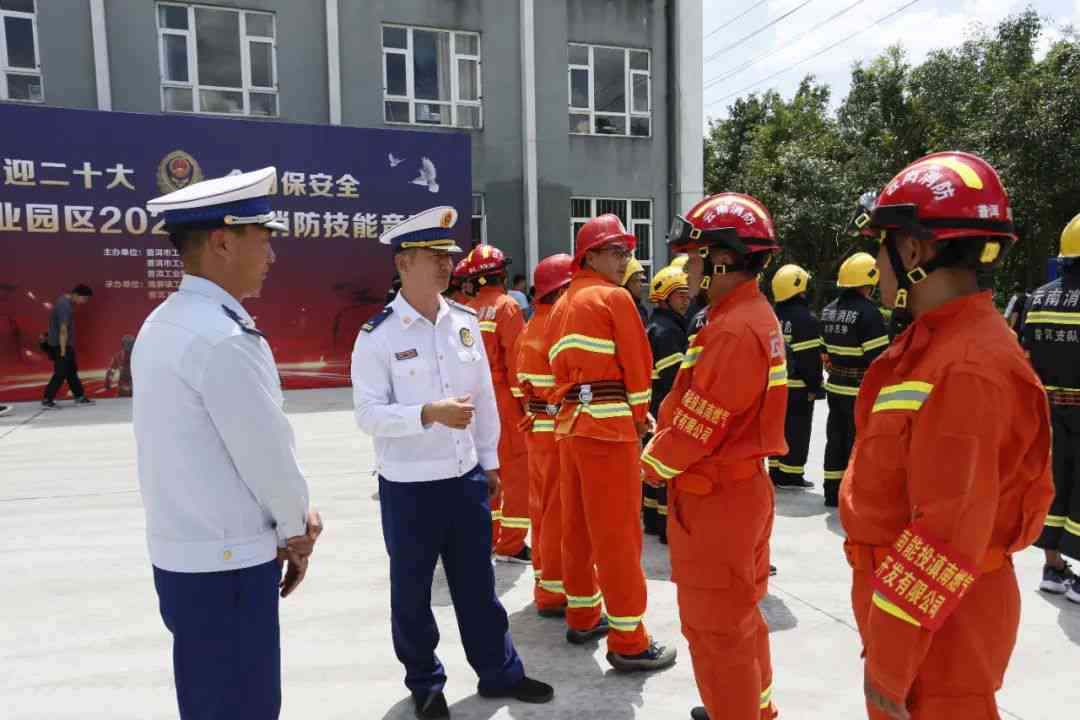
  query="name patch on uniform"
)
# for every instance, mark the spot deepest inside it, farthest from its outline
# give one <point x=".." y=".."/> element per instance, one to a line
<point x="466" y="337"/>
<point x="406" y="354"/>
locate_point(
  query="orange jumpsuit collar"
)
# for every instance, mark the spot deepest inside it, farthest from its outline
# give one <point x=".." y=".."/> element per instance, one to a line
<point x="740" y="293"/>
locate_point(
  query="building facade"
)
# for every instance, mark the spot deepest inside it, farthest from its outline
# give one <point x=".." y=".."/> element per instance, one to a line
<point x="574" y="107"/>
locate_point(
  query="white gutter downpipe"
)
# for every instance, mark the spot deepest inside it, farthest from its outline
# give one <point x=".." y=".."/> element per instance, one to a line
<point x="528" y="145"/>
<point x="689" y="113"/>
<point x="333" y="61"/>
<point x="101" y="54"/>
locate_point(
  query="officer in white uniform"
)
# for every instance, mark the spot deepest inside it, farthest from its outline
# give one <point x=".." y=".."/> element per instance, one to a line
<point x="422" y="389"/>
<point x="226" y="503"/>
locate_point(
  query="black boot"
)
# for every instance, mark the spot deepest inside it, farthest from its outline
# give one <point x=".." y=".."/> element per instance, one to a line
<point x="699" y="713"/>
<point x="832" y="493"/>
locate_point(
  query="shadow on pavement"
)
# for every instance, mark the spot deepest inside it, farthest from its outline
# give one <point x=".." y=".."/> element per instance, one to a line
<point x="1068" y="615"/>
<point x="799" y="503"/>
<point x="506" y="575"/>
<point x="832" y="522"/>
<point x="655" y="559"/>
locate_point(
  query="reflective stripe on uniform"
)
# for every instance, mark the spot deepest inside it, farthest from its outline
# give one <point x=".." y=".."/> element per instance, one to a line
<point x="1056" y="521"/>
<point x="626" y="623"/>
<point x="661" y="469"/>
<point x="496" y="514"/>
<point x="766" y="698"/>
<point x="844" y="351"/>
<point x="640" y="398"/>
<point x="553" y="586"/>
<point x="834" y="474"/>
<point x="577" y="601"/>
<point x="897" y="612"/>
<point x="516" y="392"/>
<point x="665" y="363"/>
<point x="796" y="383"/>
<point x="1073" y="528"/>
<point x="906" y="396"/>
<point x="807" y="345"/>
<point x="649" y="503"/>
<point x="607" y="410"/>
<point x="778" y="376"/>
<point x="537" y="380"/>
<point x="543" y="425"/>
<point x="692" y="356"/>
<point x="773" y="463"/>
<point x="661" y="509"/>
<point x="791" y="469"/>
<point x="841" y="389"/>
<point x="488" y="326"/>
<point x="876" y="343"/>
<point x="515" y="522"/>
<point x="576" y="341"/>
<point x="1047" y="317"/>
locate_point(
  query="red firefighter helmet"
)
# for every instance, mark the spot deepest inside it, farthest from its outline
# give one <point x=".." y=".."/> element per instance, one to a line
<point x="731" y="220"/>
<point x="484" y="260"/>
<point x="461" y="270"/>
<point x="950" y="194"/>
<point x="600" y="231"/>
<point x="552" y="273"/>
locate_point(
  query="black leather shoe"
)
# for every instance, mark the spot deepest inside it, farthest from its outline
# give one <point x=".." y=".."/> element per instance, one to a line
<point x="433" y="707"/>
<point x="699" y="713"/>
<point x="526" y="690"/>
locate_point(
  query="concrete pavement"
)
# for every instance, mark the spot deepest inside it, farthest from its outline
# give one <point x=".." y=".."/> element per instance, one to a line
<point x="81" y="637"/>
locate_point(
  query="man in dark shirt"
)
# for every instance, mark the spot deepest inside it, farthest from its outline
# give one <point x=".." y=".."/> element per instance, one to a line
<point x="60" y="346"/>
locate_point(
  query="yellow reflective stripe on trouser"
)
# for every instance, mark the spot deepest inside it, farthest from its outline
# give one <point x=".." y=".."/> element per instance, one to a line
<point x="661" y="469"/>
<point x="897" y="612"/>
<point x="640" y="398"/>
<point x="841" y="389"/>
<point x="1056" y="521"/>
<point x="778" y="376"/>
<point x="649" y="503"/>
<point x="488" y="326"/>
<point x="665" y="363"/>
<point x="515" y="522"/>
<point x="906" y="396"/>
<point x="543" y="425"/>
<point x="516" y="392"/>
<point x="774" y="463"/>
<point x="834" y="474"/>
<point x="791" y="469"/>
<point x="796" y="383"/>
<point x="582" y="342"/>
<point x="1073" y="528"/>
<point x="844" y="350"/>
<point x="554" y="586"/>
<point x="626" y="623"/>
<point x="876" y="343"/>
<point x="1058" y="387"/>
<point x="806" y="345"/>
<point x="537" y="380"/>
<point x="577" y="601"/>
<point x="692" y="356"/>
<point x="766" y="698"/>
<point x="496" y="514"/>
<point x="606" y="410"/>
<point x="661" y="509"/>
<point x="1047" y="317"/>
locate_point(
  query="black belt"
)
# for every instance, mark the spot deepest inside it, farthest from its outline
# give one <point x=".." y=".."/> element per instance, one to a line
<point x="1063" y="397"/>
<point x="601" y="390"/>
<point x="849" y="373"/>
<point x="539" y="407"/>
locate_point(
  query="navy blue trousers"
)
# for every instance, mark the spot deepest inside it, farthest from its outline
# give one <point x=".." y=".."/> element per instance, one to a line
<point x="226" y="641"/>
<point x="449" y="518"/>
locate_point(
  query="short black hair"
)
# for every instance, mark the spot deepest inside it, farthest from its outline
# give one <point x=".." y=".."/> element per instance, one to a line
<point x="519" y="278"/>
<point x="84" y="290"/>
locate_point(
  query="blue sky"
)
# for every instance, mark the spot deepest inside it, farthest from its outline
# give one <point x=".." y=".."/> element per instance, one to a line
<point x="925" y="26"/>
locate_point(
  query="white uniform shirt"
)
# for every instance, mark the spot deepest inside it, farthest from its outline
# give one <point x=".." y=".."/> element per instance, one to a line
<point x="216" y="454"/>
<point x="403" y="364"/>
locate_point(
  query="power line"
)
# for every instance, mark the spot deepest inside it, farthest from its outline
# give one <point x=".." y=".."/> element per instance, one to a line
<point x="731" y="73"/>
<point x="819" y="53"/>
<point x="757" y="32"/>
<point x="734" y="19"/>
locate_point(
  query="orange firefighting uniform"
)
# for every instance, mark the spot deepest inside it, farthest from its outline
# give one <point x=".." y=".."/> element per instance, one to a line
<point x="595" y="335"/>
<point x="535" y="381"/>
<point x="949" y="477"/>
<point x="723" y="417"/>
<point x="501" y="322"/>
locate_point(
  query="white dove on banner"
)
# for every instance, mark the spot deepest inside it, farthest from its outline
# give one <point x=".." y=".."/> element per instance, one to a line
<point x="394" y="161"/>
<point x="427" y="175"/>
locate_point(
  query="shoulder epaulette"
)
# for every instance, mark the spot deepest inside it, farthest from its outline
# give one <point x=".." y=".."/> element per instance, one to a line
<point x="458" y="306"/>
<point x="247" y="326"/>
<point x="377" y="319"/>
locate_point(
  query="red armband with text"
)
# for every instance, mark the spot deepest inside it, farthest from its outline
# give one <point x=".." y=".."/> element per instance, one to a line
<point x="921" y="580"/>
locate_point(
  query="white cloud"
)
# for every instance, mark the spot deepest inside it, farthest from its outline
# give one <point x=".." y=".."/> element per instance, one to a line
<point x="926" y="26"/>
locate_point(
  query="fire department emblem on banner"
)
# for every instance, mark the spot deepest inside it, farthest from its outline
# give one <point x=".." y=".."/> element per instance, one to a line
<point x="177" y="170"/>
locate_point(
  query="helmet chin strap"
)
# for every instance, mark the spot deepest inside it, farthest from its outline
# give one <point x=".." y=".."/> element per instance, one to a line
<point x="905" y="281"/>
